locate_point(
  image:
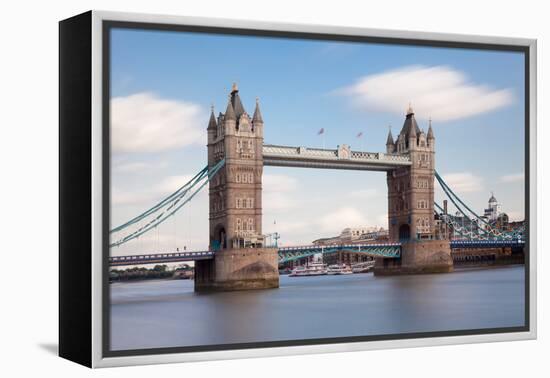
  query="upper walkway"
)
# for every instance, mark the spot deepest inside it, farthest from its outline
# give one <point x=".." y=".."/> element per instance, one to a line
<point x="341" y="158"/>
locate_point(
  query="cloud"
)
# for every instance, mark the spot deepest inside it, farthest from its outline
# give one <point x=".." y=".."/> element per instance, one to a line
<point x="276" y="190"/>
<point x="153" y="194"/>
<point x="464" y="182"/>
<point x="341" y="218"/>
<point x="515" y="216"/>
<point x="364" y="193"/>
<point x="278" y="183"/>
<point x="143" y="122"/>
<point x="440" y="92"/>
<point x="125" y="198"/>
<point x="517" y="177"/>
<point x="162" y="240"/>
<point x="170" y="184"/>
<point x="137" y="166"/>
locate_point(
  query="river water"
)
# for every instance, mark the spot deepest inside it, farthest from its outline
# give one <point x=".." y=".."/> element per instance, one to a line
<point x="167" y="313"/>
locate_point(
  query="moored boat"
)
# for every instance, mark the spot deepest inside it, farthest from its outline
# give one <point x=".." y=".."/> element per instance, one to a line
<point x="312" y="269"/>
<point x="339" y="269"/>
<point x="363" y="267"/>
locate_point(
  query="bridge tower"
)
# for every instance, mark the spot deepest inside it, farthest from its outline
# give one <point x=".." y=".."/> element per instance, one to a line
<point x="242" y="260"/>
<point x="411" y="204"/>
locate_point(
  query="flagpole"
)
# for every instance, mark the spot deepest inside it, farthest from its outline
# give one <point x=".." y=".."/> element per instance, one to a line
<point x="361" y="144"/>
<point x="322" y="133"/>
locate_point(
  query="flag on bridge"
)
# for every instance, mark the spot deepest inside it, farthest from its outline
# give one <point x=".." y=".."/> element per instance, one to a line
<point x="322" y="131"/>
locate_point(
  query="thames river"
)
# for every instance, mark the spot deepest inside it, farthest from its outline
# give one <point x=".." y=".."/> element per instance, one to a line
<point x="167" y="313"/>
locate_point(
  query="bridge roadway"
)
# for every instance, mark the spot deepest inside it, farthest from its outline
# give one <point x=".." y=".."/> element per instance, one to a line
<point x="341" y="158"/>
<point x="160" y="258"/>
<point x="286" y="254"/>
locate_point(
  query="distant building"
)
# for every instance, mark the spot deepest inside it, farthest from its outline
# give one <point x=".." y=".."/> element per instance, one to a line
<point x="493" y="209"/>
<point x="327" y="241"/>
<point x="470" y="224"/>
<point x="355" y="235"/>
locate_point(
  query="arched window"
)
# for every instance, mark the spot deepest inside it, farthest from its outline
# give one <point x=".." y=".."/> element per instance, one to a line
<point x="239" y="224"/>
<point x="250" y="224"/>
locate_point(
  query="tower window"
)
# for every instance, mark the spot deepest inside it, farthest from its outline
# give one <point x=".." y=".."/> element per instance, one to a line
<point x="250" y="224"/>
<point x="239" y="225"/>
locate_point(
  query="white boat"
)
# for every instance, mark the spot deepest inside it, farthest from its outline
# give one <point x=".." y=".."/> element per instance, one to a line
<point x="339" y="269"/>
<point x="312" y="269"/>
<point x="363" y="267"/>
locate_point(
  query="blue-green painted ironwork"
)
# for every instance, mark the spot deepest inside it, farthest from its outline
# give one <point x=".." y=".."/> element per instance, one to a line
<point x="156" y="215"/>
<point x="386" y="250"/>
<point x="486" y="230"/>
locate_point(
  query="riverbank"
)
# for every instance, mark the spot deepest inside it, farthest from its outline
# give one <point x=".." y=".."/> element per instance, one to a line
<point x="159" y="272"/>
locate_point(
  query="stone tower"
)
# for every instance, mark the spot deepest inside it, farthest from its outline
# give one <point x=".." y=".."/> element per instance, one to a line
<point x="236" y="191"/>
<point x="411" y="203"/>
<point x="242" y="260"/>
<point x="411" y="189"/>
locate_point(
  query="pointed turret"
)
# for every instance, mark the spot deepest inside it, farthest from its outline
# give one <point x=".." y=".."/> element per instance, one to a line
<point x="414" y="131"/>
<point x="390" y="138"/>
<point x="236" y="101"/>
<point x="257" y="118"/>
<point x="390" y="145"/>
<point x="410" y="127"/>
<point x="212" y="124"/>
<point x="430" y="131"/>
<point x="230" y="112"/>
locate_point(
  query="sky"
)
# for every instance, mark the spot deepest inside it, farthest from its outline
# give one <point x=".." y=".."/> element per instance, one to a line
<point x="164" y="83"/>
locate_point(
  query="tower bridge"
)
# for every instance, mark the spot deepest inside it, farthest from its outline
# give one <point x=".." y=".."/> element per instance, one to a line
<point x="238" y="256"/>
<point x="243" y="260"/>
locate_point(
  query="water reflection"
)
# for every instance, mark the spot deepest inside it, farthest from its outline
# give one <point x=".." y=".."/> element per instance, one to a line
<point x="157" y="314"/>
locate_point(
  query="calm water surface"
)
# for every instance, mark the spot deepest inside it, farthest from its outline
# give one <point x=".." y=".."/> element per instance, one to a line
<point x="154" y="314"/>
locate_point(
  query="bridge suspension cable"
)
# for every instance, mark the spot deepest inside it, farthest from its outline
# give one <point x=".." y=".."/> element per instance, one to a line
<point x="156" y="215"/>
<point x="487" y="232"/>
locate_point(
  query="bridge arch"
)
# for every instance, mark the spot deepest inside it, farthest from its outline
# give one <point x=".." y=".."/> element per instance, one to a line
<point x="219" y="239"/>
<point x="404" y="232"/>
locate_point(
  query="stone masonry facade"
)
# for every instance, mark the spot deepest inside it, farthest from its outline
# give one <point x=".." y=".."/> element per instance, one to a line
<point x="235" y="198"/>
<point x="411" y="205"/>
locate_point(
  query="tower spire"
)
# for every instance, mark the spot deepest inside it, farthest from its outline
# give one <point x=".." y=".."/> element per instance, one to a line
<point x="230" y="112"/>
<point x="413" y="128"/>
<point x="390" y="137"/>
<point x="236" y="101"/>
<point x="430" y="130"/>
<point x="212" y="123"/>
<point x="257" y="118"/>
<point x="410" y="109"/>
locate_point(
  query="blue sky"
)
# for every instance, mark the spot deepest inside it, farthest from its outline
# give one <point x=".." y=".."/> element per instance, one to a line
<point x="163" y="84"/>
